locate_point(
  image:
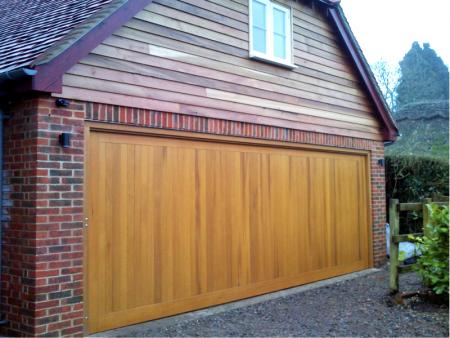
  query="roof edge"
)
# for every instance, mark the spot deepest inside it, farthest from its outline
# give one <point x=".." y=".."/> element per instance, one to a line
<point x="52" y="65"/>
<point x="330" y="2"/>
<point x="77" y="32"/>
<point x="390" y="128"/>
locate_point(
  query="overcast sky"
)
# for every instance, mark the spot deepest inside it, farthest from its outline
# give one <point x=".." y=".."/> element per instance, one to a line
<point x="386" y="29"/>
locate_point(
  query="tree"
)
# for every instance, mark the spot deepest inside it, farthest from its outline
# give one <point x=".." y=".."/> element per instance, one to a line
<point x="424" y="77"/>
<point x="387" y="77"/>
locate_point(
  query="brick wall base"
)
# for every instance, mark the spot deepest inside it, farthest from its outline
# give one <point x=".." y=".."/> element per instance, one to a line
<point x="42" y="291"/>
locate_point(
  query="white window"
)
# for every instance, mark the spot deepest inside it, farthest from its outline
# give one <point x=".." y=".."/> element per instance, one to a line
<point x="270" y="32"/>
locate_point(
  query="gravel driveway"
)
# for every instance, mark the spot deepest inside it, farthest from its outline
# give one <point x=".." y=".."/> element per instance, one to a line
<point x="357" y="307"/>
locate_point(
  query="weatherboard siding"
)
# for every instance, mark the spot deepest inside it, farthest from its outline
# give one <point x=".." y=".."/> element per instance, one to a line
<point x="191" y="57"/>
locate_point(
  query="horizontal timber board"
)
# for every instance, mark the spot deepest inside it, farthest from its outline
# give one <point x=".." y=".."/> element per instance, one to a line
<point x="90" y="95"/>
<point x="410" y="206"/>
<point x="301" y="11"/>
<point x="330" y="60"/>
<point x="305" y="98"/>
<point x="186" y="27"/>
<point x="146" y="27"/>
<point x="193" y="79"/>
<point x="191" y="13"/>
<point x="119" y="47"/>
<point x="125" y="38"/>
<point x="198" y="21"/>
<point x="211" y="98"/>
<point x="219" y="9"/>
<point x="203" y="13"/>
<point x="169" y="85"/>
<point x="302" y="40"/>
<point x="169" y="10"/>
<point x="239" y="7"/>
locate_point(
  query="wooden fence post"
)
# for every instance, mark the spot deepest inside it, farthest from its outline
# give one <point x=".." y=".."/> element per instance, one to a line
<point x="425" y="214"/>
<point x="394" y="219"/>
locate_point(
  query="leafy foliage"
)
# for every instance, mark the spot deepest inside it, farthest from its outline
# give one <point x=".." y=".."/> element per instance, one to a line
<point x="424" y="77"/>
<point x="434" y="263"/>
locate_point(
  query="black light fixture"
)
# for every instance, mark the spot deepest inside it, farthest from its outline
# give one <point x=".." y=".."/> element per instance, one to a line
<point x="62" y="103"/>
<point x="64" y="140"/>
<point x="381" y="162"/>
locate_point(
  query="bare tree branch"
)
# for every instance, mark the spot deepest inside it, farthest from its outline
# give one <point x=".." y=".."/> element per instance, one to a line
<point x="388" y="77"/>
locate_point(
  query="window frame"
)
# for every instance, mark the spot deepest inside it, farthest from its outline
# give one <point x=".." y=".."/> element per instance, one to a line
<point x="269" y="56"/>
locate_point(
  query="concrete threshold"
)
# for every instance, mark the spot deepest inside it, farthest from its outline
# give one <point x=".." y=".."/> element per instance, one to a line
<point x="185" y="317"/>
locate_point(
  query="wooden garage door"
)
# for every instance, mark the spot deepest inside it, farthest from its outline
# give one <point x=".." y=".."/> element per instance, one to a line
<point x="176" y="224"/>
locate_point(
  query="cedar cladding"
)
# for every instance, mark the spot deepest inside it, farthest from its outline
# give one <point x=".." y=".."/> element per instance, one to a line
<point x="191" y="57"/>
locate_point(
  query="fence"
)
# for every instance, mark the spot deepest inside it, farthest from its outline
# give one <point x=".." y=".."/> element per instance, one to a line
<point x="395" y="238"/>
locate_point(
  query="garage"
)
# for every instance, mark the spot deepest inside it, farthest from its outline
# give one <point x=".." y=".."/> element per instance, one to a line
<point x="181" y="221"/>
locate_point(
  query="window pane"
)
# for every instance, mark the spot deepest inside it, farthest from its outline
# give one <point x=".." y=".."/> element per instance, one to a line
<point x="279" y="47"/>
<point x="259" y="27"/>
<point x="279" y="22"/>
<point x="259" y="40"/>
<point x="259" y="15"/>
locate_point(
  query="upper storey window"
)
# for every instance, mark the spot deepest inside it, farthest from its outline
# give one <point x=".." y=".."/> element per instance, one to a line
<point x="270" y="32"/>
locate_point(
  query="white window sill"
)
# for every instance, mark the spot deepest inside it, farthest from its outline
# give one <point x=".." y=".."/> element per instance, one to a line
<point x="272" y="61"/>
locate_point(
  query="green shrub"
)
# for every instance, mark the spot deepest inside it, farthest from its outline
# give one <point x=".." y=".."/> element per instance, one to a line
<point x="411" y="179"/>
<point x="433" y="264"/>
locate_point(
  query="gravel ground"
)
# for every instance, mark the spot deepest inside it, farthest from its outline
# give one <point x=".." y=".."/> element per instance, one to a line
<point x="358" y="307"/>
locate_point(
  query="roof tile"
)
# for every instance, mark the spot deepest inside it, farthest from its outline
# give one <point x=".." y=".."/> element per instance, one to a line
<point x="30" y="27"/>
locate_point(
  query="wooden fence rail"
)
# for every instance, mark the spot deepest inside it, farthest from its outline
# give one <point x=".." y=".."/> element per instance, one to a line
<point x="395" y="238"/>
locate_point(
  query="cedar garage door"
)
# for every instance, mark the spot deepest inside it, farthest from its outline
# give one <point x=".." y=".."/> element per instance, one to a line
<point x="180" y="224"/>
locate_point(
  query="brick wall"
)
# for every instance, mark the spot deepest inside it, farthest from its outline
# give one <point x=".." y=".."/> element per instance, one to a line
<point x="43" y="244"/>
<point x="19" y="264"/>
<point x="43" y="257"/>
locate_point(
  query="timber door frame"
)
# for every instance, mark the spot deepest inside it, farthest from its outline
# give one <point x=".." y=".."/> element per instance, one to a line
<point x="91" y="127"/>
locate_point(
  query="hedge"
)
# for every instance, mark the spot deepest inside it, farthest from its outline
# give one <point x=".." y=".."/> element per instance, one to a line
<point x="413" y="178"/>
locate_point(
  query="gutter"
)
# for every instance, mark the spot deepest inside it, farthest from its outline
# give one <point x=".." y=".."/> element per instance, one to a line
<point x="16" y="74"/>
<point x="6" y="78"/>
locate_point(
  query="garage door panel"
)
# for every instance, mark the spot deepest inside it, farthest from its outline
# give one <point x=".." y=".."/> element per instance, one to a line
<point x="347" y="211"/>
<point x="218" y="231"/>
<point x="319" y="219"/>
<point x="177" y="224"/>
<point x="262" y="240"/>
<point x="143" y="233"/>
<point x="299" y="202"/>
<point x="278" y="178"/>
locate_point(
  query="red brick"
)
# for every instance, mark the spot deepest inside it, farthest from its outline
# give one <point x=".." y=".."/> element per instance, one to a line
<point x="59" y="325"/>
